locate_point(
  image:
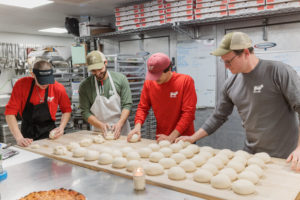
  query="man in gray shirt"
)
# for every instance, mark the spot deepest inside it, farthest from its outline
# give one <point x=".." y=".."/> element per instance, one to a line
<point x="267" y="96"/>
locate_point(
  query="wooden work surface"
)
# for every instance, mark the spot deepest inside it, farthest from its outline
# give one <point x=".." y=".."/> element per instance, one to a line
<point x="278" y="182"/>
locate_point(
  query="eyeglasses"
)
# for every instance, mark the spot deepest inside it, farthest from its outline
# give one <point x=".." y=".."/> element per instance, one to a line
<point x="228" y="62"/>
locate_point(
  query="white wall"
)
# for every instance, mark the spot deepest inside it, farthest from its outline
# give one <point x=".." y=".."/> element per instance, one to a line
<point x="35" y="40"/>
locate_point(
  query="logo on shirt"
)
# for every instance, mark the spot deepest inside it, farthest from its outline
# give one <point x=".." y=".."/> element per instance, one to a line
<point x="50" y="99"/>
<point x="173" y="94"/>
<point x="258" y="88"/>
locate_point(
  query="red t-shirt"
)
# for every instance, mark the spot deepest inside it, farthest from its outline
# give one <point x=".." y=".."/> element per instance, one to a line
<point x="173" y="104"/>
<point x="56" y="96"/>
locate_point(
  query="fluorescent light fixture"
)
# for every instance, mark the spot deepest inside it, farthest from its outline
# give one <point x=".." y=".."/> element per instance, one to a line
<point x="54" y="30"/>
<point x="25" y="3"/>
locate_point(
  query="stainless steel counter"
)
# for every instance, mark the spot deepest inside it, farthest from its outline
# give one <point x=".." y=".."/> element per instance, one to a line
<point x="45" y="173"/>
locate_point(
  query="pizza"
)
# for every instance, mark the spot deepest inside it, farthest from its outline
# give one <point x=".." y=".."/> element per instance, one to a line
<point x="57" y="194"/>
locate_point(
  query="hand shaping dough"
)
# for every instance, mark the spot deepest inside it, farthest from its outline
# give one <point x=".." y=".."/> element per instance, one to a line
<point x="134" y="138"/>
<point x="154" y="169"/>
<point x="167" y="162"/>
<point x="145" y="152"/>
<point x="109" y="135"/>
<point x="60" y="150"/>
<point x="243" y="187"/>
<point x="119" y="162"/>
<point x="220" y="181"/>
<point x="176" y="173"/>
<point x="188" y="165"/>
<point x="52" y="134"/>
<point x="202" y="176"/>
<point x="156" y="156"/>
<point x="105" y="159"/>
<point x="86" y="142"/>
<point x="91" y="155"/>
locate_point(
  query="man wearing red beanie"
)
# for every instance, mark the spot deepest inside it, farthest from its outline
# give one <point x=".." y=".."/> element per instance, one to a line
<point x="172" y="97"/>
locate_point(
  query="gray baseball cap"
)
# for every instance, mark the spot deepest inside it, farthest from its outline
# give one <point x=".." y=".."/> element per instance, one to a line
<point x="233" y="41"/>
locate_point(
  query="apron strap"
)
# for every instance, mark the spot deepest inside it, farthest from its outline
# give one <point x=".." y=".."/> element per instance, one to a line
<point x="112" y="83"/>
<point x="46" y="95"/>
<point x="97" y="87"/>
<point x="30" y="92"/>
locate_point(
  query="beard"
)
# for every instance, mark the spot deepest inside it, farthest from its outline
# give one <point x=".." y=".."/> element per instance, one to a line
<point x="101" y="76"/>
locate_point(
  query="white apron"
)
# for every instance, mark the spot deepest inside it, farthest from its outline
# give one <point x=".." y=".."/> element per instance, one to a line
<point x="108" y="110"/>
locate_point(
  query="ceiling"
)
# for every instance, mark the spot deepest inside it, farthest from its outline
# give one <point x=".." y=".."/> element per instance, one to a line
<point x="29" y="21"/>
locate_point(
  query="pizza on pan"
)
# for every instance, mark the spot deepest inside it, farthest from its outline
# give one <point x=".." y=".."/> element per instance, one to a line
<point x="57" y="194"/>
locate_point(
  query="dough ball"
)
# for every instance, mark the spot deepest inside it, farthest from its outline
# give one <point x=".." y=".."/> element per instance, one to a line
<point x="86" y="142"/>
<point x="187" y="152"/>
<point x="220" y="181"/>
<point x="236" y="165"/>
<point x="184" y="143"/>
<point x="98" y="139"/>
<point x="79" y="152"/>
<point x="132" y="165"/>
<point x="116" y="153"/>
<point x="133" y="155"/>
<point x="217" y="162"/>
<point x="52" y="134"/>
<point x="72" y="145"/>
<point x="202" y="176"/>
<point x="134" y="138"/>
<point x="231" y="173"/>
<point x="126" y="150"/>
<point x="119" y="162"/>
<point x="156" y="156"/>
<point x="164" y="143"/>
<point x="223" y="158"/>
<point x="243" y="187"/>
<point x="105" y="159"/>
<point x="257" y="161"/>
<point x="154" y="169"/>
<point x="166" y="151"/>
<point x="175" y="147"/>
<point x="91" y="155"/>
<point x="188" y="165"/>
<point x="167" y="163"/>
<point x="194" y="148"/>
<point x="35" y="146"/>
<point x="256" y="169"/>
<point x="249" y="175"/>
<point x="207" y="155"/>
<point x="60" y="150"/>
<point x="145" y="152"/>
<point x="109" y="135"/>
<point x="264" y="156"/>
<point x="154" y="147"/>
<point x="207" y="149"/>
<point x="199" y="160"/>
<point x="210" y="167"/>
<point x="176" y="173"/>
<point x="240" y="159"/>
<point x="178" y="157"/>
<point x="227" y="152"/>
<point x="242" y="153"/>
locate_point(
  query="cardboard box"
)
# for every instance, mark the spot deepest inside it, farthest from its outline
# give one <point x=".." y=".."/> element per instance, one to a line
<point x="210" y="9"/>
<point x="211" y="15"/>
<point x="180" y="8"/>
<point x="180" y="14"/>
<point x="178" y="3"/>
<point x="242" y="11"/>
<point x="279" y="6"/>
<point x="246" y="4"/>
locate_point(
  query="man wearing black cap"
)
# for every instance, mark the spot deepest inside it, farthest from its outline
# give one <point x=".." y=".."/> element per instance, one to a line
<point x="36" y="99"/>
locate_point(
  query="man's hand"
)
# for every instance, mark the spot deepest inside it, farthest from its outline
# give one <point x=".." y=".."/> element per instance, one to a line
<point x="160" y="137"/>
<point x="24" y="142"/>
<point x="116" y="128"/>
<point x="294" y="157"/>
<point x="59" y="131"/>
<point x="104" y="127"/>
<point x="186" y="139"/>
<point x="136" y="130"/>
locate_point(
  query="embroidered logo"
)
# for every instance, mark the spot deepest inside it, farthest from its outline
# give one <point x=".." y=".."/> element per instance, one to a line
<point x="258" y="88"/>
<point x="50" y="99"/>
<point x="173" y="94"/>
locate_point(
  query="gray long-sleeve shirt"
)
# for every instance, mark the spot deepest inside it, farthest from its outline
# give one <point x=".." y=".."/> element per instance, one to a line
<point x="268" y="100"/>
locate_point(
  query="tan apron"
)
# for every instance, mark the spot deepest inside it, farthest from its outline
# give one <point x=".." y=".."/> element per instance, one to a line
<point x="108" y="110"/>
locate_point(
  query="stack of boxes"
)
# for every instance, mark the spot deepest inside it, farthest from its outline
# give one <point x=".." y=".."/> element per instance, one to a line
<point x="238" y="7"/>
<point x="179" y="11"/>
<point x="281" y="4"/>
<point x="210" y="9"/>
<point x="159" y="12"/>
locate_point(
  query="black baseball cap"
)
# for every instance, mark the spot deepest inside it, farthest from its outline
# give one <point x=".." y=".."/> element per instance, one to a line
<point x="44" y="77"/>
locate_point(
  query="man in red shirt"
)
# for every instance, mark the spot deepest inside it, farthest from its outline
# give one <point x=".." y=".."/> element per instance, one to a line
<point x="36" y="99"/>
<point x="172" y="97"/>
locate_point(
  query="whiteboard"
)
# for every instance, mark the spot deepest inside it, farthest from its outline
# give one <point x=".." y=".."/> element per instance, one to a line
<point x="194" y="59"/>
<point x="291" y="58"/>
